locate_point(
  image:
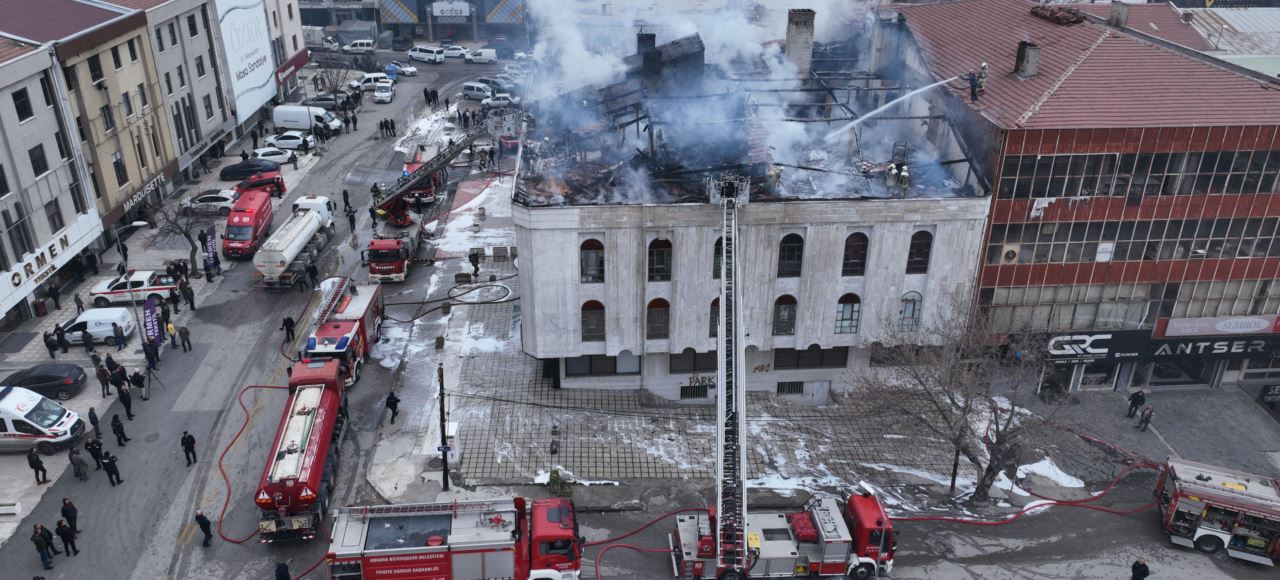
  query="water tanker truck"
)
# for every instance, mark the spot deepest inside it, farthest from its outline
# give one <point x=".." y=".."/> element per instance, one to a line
<point x="282" y="260"/>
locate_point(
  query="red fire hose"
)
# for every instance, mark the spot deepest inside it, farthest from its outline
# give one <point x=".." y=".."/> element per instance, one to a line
<point x="600" y="556"/>
<point x="226" y="501"/>
<point x="642" y="528"/>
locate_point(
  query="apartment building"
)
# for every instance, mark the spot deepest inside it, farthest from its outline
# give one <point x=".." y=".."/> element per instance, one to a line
<point x="287" y="45"/>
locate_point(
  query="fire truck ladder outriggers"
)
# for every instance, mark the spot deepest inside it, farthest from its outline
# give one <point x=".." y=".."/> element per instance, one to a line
<point x="731" y="492"/>
<point x="387" y="199"/>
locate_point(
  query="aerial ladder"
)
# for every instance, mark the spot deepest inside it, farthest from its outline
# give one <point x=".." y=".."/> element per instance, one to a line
<point x="391" y="200"/>
<point x="731" y="492"/>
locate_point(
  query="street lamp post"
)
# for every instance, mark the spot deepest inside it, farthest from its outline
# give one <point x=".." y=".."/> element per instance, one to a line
<point x="128" y="277"/>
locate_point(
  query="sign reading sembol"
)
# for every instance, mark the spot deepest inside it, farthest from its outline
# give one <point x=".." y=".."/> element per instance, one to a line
<point x="247" y="44"/>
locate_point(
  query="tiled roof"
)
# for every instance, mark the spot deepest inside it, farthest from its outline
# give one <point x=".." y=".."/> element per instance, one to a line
<point x="1159" y="20"/>
<point x="49" y="20"/>
<point x="11" y="49"/>
<point x="1090" y="75"/>
<point x="138" y="4"/>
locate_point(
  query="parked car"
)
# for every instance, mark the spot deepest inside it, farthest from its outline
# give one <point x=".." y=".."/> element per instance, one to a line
<point x="292" y="140"/>
<point x="482" y="56"/>
<point x="477" y="91"/>
<point x="495" y="84"/>
<point x="396" y="69"/>
<point x="97" y="322"/>
<point x="500" y="100"/>
<point x="508" y="80"/>
<point x="384" y="92"/>
<point x="273" y="154"/>
<point x="138" y="284"/>
<point x="31" y="421"/>
<point x="243" y="169"/>
<point x="431" y="54"/>
<point x="359" y="47"/>
<point x="336" y="101"/>
<point x="367" y="81"/>
<point x="217" y="201"/>
<point x="455" y="51"/>
<point x="53" y="380"/>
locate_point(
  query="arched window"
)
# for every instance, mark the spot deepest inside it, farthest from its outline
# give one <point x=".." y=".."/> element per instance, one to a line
<point x="715" y="317"/>
<point x="784" y="315"/>
<point x="592" y="322"/>
<point x="717" y="259"/>
<point x="660" y="261"/>
<point x="848" y="314"/>
<point x="790" y="256"/>
<point x="918" y="254"/>
<point x="591" y="260"/>
<point x="855" y="255"/>
<point x="657" y="319"/>
<point x="909" y="313"/>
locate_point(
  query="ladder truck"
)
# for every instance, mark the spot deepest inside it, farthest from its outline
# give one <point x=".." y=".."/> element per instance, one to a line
<point x="348" y="324"/>
<point x="829" y="538"/>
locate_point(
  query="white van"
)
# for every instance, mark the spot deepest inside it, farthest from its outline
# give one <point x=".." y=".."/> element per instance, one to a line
<point x="477" y="91"/>
<point x="97" y="322"/>
<point x="368" y="81"/>
<point x="29" y="420"/>
<point x="482" y="56"/>
<point x="359" y="47"/>
<point x="303" y="118"/>
<point x="431" y="54"/>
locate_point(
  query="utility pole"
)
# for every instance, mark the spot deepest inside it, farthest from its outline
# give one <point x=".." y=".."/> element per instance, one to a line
<point x="444" y="435"/>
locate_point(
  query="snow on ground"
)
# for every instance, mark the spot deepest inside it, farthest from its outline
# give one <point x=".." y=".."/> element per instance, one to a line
<point x="464" y="231"/>
<point x="962" y="483"/>
<point x="788" y="486"/>
<point x="1047" y="469"/>
<point x="390" y="349"/>
<point x="543" y="477"/>
<point x="475" y="341"/>
<point x="427" y="130"/>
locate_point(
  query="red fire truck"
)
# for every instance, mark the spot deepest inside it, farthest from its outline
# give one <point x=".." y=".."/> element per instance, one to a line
<point x="390" y="255"/>
<point x="826" y="539"/>
<point x="347" y="325"/>
<point x="513" y="539"/>
<point x="1212" y="508"/>
<point x="296" y="484"/>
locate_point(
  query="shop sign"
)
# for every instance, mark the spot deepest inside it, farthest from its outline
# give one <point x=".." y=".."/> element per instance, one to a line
<point x="291" y="66"/>
<point x="40" y="266"/>
<point x="1115" y="345"/>
<point x="462" y="9"/>
<point x="1271" y="394"/>
<point x="1238" y="348"/>
<point x="142" y="194"/>
<point x="1223" y="325"/>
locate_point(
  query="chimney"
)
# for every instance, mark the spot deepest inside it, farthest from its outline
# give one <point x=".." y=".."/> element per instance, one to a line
<point x="1119" y="14"/>
<point x="646" y="41"/>
<point x="1028" y="64"/>
<point x="800" y="39"/>
<point x="1187" y="16"/>
<point x="651" y="68"/>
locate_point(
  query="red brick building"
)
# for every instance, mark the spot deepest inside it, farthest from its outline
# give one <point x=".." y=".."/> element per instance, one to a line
<point x="1136" y="199"/>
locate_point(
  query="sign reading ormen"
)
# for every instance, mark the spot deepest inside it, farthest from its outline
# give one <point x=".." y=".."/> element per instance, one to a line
<point x="247" y="44"/>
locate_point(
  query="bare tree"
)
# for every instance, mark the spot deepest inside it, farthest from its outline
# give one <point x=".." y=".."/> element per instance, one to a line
<point x="956" y="381"/>
<point x="331" y="74"/>
<point x="172" y="220"/>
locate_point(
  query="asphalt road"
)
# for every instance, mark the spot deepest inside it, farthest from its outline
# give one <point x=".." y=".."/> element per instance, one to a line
<point x="143" y="528"/>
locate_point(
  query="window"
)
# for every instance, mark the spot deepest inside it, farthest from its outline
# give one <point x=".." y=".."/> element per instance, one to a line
<point x="855" y="255"/>
<point x="790" y="256"/>
<point x="159" y="40"/>
<point x="4" y="182"/>
<point x="593" y="322"/>
<point x="591" y="261"/>
<point x="173" y="34"/>
<point x="784" y="316"/>
<point x="200" y="65"/>
<point x="715" y="317"/>
<point x="660" y="261"/>
<point x="77" y="198"/>
<point x="208" y="107"/>
<point x="813" y="357"/>
<point x="115" y="58"/>
<point x="122" y="174"/>
<point x="142" y="94"/>
<point x="168" y="84"/>
<point x="909" y="313"/>
<point x="918" y="254"/>
<point x="155" y="141"/>
<point x="69" y="75"/>
<point x="599" y="365"/>
<point x="657" y="319"/>
<point x="22" y="105"/>
<point x="108" y="118"/>
<point x="20" y="239"/>
<point x="688" y="361"/>
<point x="46" y="89"/>
<point x="182" y="77"/>
<point x="95" y="69"/>
<point x="848" y="314"/>
<point x="791" y="388"/>
<point x="39" y="165"/>
<point x="64" y="149"/>
<point x="128" y="104"/>
<point x="275" y="19"/>
<point x="84" y="135"/>
<point x="141" y="151"/>
<point x="717" y="258"/>
<point x="289" y="8"/>
<point x="295" y="42"/>
<point x="53" y="211"/>
<point x="191" y="26"/>
<point x="133" y="50"/>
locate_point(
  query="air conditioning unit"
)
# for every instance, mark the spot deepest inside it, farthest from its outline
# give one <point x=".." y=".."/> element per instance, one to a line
<point x="1009" y="253"/>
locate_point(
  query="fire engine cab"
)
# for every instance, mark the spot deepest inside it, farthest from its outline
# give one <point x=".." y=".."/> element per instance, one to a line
<point x="461" y="540"/>
<point x="1212" y="508"/>
<point x="347" y="326"/>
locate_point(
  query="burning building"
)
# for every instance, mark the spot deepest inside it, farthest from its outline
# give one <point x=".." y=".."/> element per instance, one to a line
<point x="857" y="230"/>
<point x="1135" y="211"/>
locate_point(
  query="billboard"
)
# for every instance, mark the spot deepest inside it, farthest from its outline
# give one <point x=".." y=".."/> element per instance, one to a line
<point x="247" y="46"/>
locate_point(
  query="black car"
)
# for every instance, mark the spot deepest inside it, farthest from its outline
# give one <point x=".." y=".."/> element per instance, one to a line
<point x="54" y="380"/>
<point x="244" y="169"/>
<point x="338" y="101"/>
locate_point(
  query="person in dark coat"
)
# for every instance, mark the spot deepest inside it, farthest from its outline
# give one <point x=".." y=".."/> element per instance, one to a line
<point x="1136" y="401"/>
<point x="355" y="123"/>
<point x="37" y="465"/>
<point x="206" y="527"/>
<point x="94" y="447"/>
<point x="126" y="399"/>
<point x="70" y="513"/>
<point x="51" y="343"/>
<point x="48" y="537"/>
<point x="117" y="427"/>
<point x="139" y="382"/>
<point x="118" y="334"/>
<point x="79" y="466"/>
<point x="1144" y="418"/>
<point x="87" y="341"/>
<point x="174" y="299"/>
<point x="91" y="260"/>
<point x="189" y="447"/>
<point x="393" y="405"/>
<point x="42" y="547"/>
<point x="104" y="380"/>
<point x="1140" y="570"/>
<point x="184" y="334"/>
<point x="113" y="470"/>
<point x="287" y="327"/>
<point x="93" y="420"/>
<point x="313" y="273"/>
<point x="244" y="155"/>
<point x="474" y="257"/>
<point x="68" y="537"/>
<point x="152" y="354"/>
<point x="60" y="336"/>
<point x="190" y="296"/>
<point x="346" y="200"/>
<point x="351" y="219"/>
<point x="79" y="304"/>
<point x="54" y="294"/>
<point x="282" y="571"/>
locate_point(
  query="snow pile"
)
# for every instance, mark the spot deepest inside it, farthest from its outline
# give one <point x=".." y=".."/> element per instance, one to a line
<point x="390" y="350"/>
<point x="787" y="486"/>
<point x="475" y="341"/>
<point x="543" y="477"/>
<point x="962" y="483"/>
<point x="427" y="130"/>
<point x="1047" y="469"/>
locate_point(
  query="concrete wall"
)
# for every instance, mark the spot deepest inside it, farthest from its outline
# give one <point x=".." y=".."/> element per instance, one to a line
<point x="193" y="127"/>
